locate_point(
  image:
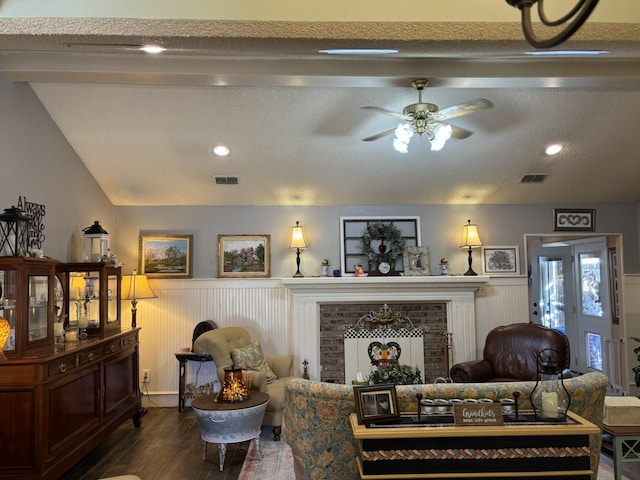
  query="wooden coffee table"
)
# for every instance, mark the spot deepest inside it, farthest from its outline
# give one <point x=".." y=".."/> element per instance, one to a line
<point x="230" y="422"/>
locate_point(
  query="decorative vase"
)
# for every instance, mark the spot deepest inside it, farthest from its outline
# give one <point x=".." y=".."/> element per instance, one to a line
<point x="4" y="335"/>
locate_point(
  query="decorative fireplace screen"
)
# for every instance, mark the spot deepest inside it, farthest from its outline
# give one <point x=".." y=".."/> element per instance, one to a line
<point x="379" y="338"/>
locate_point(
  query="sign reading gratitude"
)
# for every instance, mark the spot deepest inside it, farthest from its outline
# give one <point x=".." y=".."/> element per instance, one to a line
<point x="478" y="414"/>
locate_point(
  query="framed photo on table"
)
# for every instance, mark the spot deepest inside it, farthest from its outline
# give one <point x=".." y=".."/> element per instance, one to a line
<point x="376" y="403"/>
<point x="500" y="260"/>
<point x="165" y="256"/>
<point x="244" y="256"/>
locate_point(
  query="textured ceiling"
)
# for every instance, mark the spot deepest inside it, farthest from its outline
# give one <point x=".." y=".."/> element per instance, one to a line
<point x="144" y="125"/>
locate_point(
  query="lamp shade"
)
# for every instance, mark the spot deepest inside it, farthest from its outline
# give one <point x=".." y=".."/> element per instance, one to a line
<point x="297" y="237"/>
<point x="135" y="287"/>
<point x="470" y="237"/>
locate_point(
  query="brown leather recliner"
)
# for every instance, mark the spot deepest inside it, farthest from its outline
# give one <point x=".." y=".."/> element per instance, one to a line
<point x="511" y="353"/>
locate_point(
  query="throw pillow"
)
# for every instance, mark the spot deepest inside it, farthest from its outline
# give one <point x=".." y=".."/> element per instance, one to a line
<point x="252" y="357"/>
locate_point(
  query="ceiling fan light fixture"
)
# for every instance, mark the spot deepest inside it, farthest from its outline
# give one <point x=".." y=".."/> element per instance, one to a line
<point x="403" y="134"/>
<point x="441" y="133"/>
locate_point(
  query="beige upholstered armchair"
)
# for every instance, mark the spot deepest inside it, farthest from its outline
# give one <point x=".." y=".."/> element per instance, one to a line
<point x="233" y="346"/>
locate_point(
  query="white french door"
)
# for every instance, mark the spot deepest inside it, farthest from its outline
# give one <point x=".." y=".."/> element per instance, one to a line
<point x="569" y="293"/>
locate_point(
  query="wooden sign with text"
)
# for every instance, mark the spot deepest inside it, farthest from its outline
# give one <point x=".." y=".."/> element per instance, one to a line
<point x="478" y="414"/>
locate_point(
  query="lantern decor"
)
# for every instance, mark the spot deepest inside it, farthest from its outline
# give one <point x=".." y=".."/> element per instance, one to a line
<point x="95" y="243"/>
<point x="234" y="388"/>
<point x="14" y="232"/>
<point x="549" y="398"/>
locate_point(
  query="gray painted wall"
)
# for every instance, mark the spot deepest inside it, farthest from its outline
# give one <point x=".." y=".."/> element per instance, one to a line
<point x="38" y="162"/>
<point x="441" y="227"/>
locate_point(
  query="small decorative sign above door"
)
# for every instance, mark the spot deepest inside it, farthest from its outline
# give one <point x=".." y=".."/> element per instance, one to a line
<point x="574" y="220"/>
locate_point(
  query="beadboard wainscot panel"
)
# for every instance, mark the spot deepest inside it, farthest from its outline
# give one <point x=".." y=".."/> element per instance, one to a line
<point x="502" y="301"/>
<point x="631" y="319"/>
<point x="259" y="305"/>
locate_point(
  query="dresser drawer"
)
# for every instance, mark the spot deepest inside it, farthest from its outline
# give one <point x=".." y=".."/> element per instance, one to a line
<point x="90" y="355"/>
<point x="61" y="366"/>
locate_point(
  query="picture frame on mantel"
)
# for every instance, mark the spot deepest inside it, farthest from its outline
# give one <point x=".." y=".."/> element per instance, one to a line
<point x="244" y="256"/>
<point x="416" y="261"/>
<point x="574" y="220"/>
<point x="165" y="256"/>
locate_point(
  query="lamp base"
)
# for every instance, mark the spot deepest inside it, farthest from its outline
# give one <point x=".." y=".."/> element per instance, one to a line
<point x="470" y="273"/>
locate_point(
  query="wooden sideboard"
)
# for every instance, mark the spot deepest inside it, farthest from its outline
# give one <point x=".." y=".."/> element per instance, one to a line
<point x="448" y="452"/>
<point x="56" y="408"/>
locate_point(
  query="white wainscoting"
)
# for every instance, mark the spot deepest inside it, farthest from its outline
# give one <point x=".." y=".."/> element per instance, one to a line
<point x="263" y="307"/>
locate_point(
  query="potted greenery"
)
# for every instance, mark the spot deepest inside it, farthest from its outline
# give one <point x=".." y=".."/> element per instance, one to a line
<point x="394" y="372"/>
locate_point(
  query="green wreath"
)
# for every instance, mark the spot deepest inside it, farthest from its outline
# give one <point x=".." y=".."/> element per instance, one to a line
<point x="392" y="238"/>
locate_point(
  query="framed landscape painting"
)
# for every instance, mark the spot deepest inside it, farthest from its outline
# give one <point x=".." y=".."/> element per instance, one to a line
<point x="244" y="256"/>
<point x="165" y="256"/>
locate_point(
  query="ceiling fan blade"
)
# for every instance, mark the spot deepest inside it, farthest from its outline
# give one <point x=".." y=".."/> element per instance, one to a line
<point x="397" y="115"/>
<point x="460" y="133"/>
<point x="461" y="109"/>
<point x="378" y="135"/>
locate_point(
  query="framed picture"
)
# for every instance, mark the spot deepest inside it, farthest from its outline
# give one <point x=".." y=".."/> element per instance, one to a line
<point x="376" y="403"/>
<point x="500" y="260"/>
<point x="416" y="261"/>
<point x="244" y="256"/>
<point x="574" y="220"/>
<point x="165" y="256"/>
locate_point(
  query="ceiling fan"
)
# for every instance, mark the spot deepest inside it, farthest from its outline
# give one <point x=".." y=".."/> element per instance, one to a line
<point x="427" y="118"/>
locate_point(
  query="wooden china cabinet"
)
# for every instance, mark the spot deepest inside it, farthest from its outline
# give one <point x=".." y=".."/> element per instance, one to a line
<point x="59" y="400"/>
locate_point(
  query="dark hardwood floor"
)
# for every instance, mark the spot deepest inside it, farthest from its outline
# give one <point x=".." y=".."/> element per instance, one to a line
<point x="166" y="447"/>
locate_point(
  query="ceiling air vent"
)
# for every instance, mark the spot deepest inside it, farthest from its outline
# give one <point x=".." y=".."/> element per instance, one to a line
<point x="534" y="178"/>
<point x="226" y="180"/>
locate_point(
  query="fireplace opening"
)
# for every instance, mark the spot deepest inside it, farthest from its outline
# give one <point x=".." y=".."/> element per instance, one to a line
<point x="430" y="316"/>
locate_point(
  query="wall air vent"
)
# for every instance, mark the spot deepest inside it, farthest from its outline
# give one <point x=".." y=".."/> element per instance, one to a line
<point x="226" y="180"/>
<point x="534" y="178"/>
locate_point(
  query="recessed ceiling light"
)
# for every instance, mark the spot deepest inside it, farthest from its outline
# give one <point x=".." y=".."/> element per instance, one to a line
<point x="553" y="149"/>
<point x="566" y="53"/>
<point x="152" y="48"/>
<point x="359" y="51"/>
<point x="221" y="150"/>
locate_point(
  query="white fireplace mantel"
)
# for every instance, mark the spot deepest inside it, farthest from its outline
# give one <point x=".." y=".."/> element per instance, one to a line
<point x="307" y="294"/>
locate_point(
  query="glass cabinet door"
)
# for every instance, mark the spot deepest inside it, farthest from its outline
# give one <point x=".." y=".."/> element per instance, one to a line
<point x="113" y="295"/>
<point x="8" y="279"/>
<point x="38" y="309"/>
<point x="84" y="299"/>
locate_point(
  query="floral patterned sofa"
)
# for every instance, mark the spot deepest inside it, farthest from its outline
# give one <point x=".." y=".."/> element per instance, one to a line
<point x="316" y="416"/>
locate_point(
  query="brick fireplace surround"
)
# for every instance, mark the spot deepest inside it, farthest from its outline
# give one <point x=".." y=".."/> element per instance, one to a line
<point x="309" y="295"/>
<point x="431" y="317"/>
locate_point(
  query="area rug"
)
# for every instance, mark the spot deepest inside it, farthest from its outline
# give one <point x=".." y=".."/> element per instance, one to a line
<point x="276" y="463"/>
<point x="605" y="472"/>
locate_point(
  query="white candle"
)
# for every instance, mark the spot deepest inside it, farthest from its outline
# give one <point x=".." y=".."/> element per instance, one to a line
<point x="71" y="336"/>
<point x="550" y="404"/>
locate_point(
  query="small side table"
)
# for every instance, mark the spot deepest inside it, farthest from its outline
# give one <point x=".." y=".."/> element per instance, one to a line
<point x="230" y="422"/>
<point x="625" y="445"/>
<point x="182" y="357"/>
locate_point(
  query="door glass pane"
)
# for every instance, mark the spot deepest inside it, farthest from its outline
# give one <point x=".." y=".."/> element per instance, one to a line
<point x="590" y="275"/>
<point x="594" y="349"/>
<point x="552" y="292"/>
